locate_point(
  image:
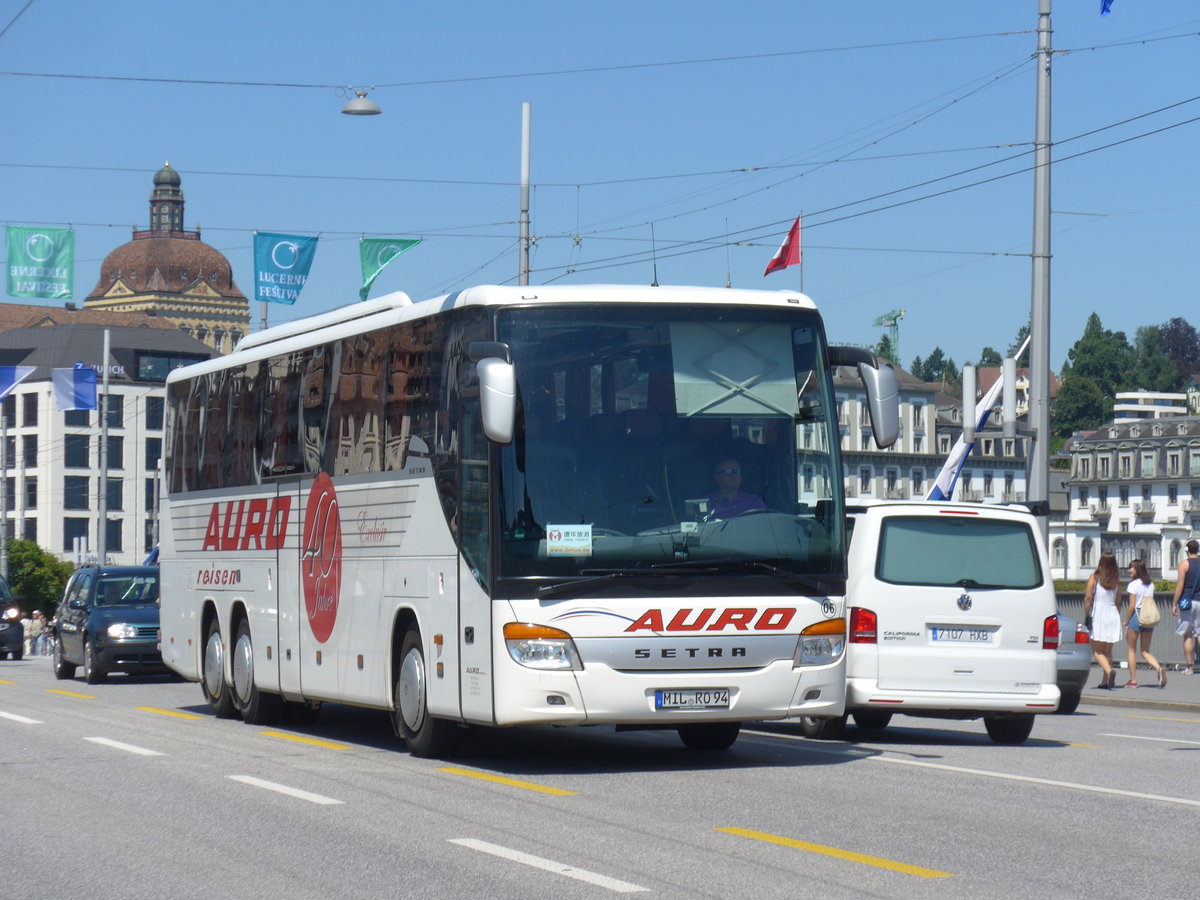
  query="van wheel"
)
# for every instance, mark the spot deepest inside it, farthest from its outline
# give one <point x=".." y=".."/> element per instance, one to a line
<point x="424" y="734"/>
<point x="62" y="668"/>
<point x="872" y="719"/>
<point x="1069" y="703"/>
<point x="823" y="728"/>
<point x="709" y="735"/>
<point x="1009" y="730"/>
<point x="256" y="706"/>
<point x="212" y="668"/>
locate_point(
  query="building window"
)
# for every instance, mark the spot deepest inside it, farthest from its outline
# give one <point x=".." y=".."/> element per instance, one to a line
<point x="1148" y="465"/>
<point x="77" y="418"/>
<point x="76" y="451"/>
<point x="114" y="496"/>
<point x="987" y="446"/>
<point x="113" y="533"/>
<point x="1145" y="493"/>
<point x="1124" y="496"/>
<point x="1008" y="486"/>
<point x="151" y="500"/>
<point x="1172" y="494"/>
<point x="75" y="492"/>
<point x="29" y="530"/>
<point x="31" y="410"/>
<point x="1174" y="555"/>
<point x="1126" y="465"/>
<point x="1060" y="553"/>
<point x="1085" y="553"/>
<point x="1008" y="447"/>
<point x="1172" y="463"/>
<point x="1083" y="496"/>
<point x="891" y="476"/>
<point x="1105" y="467"/>
<point x="74" y="528"/>
<point x="116" y="452"/>
<point x="153" y="452"/>
<point x="1085" y="468"/>
<point x="864" y="480"/>
<point x="154" y="413"/>
<point x="1124" y="527"/>
<point x="918" y="443"/>
<point x="31" y="498"/>
<point x="866" y="440"/>
<point x="943" y="443"/>
<point x="1102" y="496"/>
<point x="987" y="484"/>
<point x="29" y="448"/>
<point x="918" y="481"/>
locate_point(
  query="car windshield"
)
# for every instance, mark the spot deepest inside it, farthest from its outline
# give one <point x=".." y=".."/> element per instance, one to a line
<point x="958" y="550"/>
<point x="128" y="590"/>
<point x="669" y="434"/>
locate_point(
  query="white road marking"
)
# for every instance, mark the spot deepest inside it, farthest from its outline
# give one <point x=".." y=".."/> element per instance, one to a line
<point x="612" y="884"/>
<point x="284" y="789"/>
<point x="128" y="748"/>
<point x="1138" y="737"/>
<point x="22" y="719"/>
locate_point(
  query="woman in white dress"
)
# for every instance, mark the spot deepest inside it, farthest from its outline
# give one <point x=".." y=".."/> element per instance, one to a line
<point x="1140" y="587"/>
<point x="1102" y="601"/>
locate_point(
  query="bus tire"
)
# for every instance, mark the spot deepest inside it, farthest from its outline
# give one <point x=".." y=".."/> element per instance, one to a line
<point x="823" y="728"/>
<point x="257" y="707"/>
<point x="709" y="735"/>
<point x="872" y="719"/>
<point x="62" y="669"/>
<point x="1010" y="729"/>
<point x="425" y="735"/>
<point x="212" y="672"/>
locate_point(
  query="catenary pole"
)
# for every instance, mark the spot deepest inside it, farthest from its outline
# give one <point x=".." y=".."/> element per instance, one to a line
<point x="102" y="499"/>
<point x="523" y="274"/>
<point x="1039" y="317"/>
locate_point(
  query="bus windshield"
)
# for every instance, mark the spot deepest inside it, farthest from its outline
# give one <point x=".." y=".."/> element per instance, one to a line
<point x="663" y="436"/>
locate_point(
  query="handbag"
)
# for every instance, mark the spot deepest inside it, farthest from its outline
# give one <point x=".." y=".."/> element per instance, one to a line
<point x="1148" y="612"/>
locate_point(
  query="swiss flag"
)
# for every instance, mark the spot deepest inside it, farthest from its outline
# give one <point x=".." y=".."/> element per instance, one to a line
<point x="788" y="253"/>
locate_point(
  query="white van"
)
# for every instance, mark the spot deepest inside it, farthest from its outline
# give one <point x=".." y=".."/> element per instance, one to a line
<point x="952" y="615"/>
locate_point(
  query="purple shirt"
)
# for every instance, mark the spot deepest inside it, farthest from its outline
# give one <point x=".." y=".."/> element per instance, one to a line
<point x="721" y="508"/>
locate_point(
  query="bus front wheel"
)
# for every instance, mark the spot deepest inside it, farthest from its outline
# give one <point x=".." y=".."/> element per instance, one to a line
<point x="424" y="734"/>
<point x="212" y="668"/>
<point x="709" y="735"/>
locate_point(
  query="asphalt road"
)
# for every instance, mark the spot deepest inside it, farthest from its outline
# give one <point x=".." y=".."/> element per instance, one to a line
<point x="131" y="789"/>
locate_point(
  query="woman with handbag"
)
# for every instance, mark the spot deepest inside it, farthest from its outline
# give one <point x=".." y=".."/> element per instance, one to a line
<point x="1102" y="601"/>
<point x="1139" y="625"/>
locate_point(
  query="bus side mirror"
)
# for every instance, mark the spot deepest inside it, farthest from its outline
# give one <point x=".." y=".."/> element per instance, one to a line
<point x="497" y="398"/>
<point x="883" y="401"/>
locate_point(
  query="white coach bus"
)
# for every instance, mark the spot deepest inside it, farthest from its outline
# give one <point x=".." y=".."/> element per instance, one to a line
<point x="515" y="505"/>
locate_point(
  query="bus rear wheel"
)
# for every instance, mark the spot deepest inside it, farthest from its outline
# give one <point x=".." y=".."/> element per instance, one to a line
<point x="424" y="734"/>
<point x="212" y="670"/>
<point x="256" y="706"/>
<point x="709" y="735"/>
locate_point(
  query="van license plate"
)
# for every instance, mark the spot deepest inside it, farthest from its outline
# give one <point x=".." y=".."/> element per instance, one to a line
<point x="955" y="635"/>
<point x="698" y="698"/>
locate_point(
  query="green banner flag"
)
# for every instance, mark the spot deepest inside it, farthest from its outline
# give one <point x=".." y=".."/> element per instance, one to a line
<point x="376" y="253"/>
<point x="41" y="262"/>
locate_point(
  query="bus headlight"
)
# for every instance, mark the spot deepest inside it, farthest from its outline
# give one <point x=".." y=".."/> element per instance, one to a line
<point x="821" y="644"/>
<point x="121" y="632"/>
<point x="541" y="647"/>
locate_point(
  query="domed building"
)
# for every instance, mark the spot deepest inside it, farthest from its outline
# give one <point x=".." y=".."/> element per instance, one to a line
<point x="169" y="272"/>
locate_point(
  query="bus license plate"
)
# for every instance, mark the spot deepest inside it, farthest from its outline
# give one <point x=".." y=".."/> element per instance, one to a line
<point x="944" y="634"/>
<point x="697" y="698"/>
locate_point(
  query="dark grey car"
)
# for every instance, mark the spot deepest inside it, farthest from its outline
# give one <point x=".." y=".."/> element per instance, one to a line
<point x="12" y="632"/>
<point x="108" y="622"/>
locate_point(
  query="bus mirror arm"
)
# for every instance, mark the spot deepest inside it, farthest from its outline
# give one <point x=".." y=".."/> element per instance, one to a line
<point x="477" y="350"/>
<point x="497" y="397"/>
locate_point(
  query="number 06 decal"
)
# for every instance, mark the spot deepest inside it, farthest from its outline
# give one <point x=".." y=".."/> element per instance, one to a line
<point x="321" y="558"/>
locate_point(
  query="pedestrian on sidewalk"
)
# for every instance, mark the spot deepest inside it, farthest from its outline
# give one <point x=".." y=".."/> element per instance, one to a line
<point x="1102" y="601"/>
<point x="1141" y="596"/>
<point x="1186" y="605"/>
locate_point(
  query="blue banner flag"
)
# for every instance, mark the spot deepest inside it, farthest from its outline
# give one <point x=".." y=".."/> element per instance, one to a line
<point x="281" y="264"/>
<point x="1105" y="7"/>
<point x="75" y="388"/>
<point x="11" y="376"/>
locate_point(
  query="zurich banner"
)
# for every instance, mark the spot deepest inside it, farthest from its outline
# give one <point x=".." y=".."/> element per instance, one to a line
<point x="75" y="388"/>
<point x="41" y="262"/>
<point x="281" y="264"/>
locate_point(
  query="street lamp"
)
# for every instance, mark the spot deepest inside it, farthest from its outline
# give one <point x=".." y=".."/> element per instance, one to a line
<point x="361" y="106"/>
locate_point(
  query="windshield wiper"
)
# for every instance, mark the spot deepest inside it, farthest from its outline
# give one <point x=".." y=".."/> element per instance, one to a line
<point x="595" y="577"/>
<point x="735" y="563"/>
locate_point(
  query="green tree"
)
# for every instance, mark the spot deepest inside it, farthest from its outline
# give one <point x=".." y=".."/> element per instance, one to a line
<point x="36" y="576"/>
<point x="1022" y="333"/>
<point x="1081" y="405"/>
<point x="989" y="356"/>
<point x="885" y="349"/>
<point x="1153" y="369"/>
<point x="1181" y="342"/>
<point x="1101" y="355"/>
<point x="917" y="368"/>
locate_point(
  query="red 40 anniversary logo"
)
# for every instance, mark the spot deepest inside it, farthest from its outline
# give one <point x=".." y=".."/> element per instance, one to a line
<point x="321" y="558"/>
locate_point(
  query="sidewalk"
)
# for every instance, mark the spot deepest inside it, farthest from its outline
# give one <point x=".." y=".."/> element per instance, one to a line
<point x="1181" y="694"/>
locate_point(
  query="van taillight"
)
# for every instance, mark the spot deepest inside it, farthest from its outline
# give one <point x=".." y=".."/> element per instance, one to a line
<point x="863" y="625"/>
<point x="1050" y="633"/>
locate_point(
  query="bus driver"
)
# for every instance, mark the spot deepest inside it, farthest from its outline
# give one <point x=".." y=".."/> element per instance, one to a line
<point x="730" y="500"/>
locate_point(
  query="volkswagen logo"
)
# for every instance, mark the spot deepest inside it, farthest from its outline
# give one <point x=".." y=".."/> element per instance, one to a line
<point x="964" y="602"/>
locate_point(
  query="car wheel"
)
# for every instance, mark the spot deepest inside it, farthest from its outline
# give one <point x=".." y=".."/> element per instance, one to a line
<point x="823" y="728"/>
<point x="709" y="735"/>
<point x="212" y="668"/>
<point x="19" y="653"/>
<point x="424" y="734"/>
<point x="1009" y="730"/>
<point x="62" y="668"/>
<point x="1069" y="702"/>
<point x="92" y="673"/>
<point x="872" y="719"/>
<point x="256" y="706"/>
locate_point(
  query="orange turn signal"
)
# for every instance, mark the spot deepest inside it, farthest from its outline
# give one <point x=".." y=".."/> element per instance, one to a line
<point x="524" y="631"/>
<point x="829" y="626"/>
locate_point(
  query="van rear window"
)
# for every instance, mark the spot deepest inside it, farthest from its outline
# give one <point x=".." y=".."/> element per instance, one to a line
<point x="958" y="550"/>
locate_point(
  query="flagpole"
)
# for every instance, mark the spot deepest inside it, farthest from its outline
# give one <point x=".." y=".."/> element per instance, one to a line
<point x="4" y="492"/>
<point x="102" y="538"/>
<point x="800" y="266"/>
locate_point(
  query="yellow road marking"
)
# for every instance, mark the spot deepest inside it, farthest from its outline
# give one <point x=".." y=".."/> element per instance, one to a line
<point x="6" y="681"/>
<point x="70" y="694"/>
<point x="328" y="745"/>
<point x="1163" y="719"/>
<point x="850" y="855"/>
<point x="169" y="712"/>
<point x="512" y="782"/>
<point x="1085" y="746"/>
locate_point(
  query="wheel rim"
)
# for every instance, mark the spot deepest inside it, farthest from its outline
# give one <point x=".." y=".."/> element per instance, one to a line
<point x="58" y="652"/>
<point x="412" y="690"/>
<point x="214" y="663"/>
<point x="243" y="667"/>
<point x="88" y="664"/>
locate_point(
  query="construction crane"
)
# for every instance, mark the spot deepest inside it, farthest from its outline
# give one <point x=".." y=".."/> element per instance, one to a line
<point x="892" y="320"/>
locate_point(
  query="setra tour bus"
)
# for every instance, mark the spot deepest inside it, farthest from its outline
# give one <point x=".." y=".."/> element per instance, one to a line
<point x="558" y="505"/>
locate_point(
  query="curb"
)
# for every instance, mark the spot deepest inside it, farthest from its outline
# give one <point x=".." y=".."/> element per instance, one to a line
<point x="1169" y="705"/>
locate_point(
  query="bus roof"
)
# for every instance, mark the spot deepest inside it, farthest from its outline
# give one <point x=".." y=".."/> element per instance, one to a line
<point x="382" y="311"/>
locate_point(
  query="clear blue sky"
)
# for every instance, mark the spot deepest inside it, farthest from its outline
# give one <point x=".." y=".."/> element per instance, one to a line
<point x="832" y="104"/>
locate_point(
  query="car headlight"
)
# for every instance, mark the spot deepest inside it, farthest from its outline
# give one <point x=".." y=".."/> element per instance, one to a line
<point x="821" y="644"/>
<point x="119" y="632"/>
<point x="541" y="647"/>
<point x="12" y="613"/>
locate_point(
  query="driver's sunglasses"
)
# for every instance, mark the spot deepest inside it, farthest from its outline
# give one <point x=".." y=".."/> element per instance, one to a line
<point x="729" y="471"/>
